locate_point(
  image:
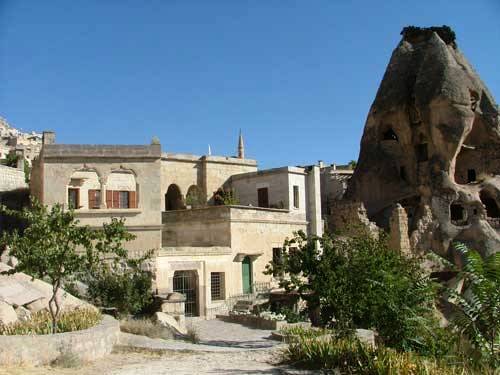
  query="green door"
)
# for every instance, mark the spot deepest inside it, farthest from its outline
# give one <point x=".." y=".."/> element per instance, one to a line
<point x="246" y="272"/>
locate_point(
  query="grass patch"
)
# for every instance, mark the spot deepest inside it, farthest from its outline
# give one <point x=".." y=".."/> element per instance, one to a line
<point x="145" y="327"/>
<point x="350" y="356"/>
<point x="41" y="323"/>
<point x="193" y="335"/>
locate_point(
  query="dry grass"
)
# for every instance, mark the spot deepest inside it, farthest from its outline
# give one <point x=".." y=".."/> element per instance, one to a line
<point x="145" y="327"/>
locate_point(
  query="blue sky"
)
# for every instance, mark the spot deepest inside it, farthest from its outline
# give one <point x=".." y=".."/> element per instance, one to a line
<point x="298" y="77"/>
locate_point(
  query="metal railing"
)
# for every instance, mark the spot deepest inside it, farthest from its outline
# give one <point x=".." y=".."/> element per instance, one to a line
<point x="259" y="290"/>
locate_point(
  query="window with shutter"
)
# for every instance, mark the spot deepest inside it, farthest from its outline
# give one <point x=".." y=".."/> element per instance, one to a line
<point x="132" y="199"/>
<point x="74" y="198"/>
<point x="94" y="199"/>
<point x="116" y="199"/>
<point x="109" y="198"/>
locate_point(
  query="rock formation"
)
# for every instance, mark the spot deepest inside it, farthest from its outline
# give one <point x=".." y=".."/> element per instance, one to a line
<point x="432" y="144"/>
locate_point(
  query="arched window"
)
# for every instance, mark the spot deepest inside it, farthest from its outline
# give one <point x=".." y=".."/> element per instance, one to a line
<point x="173" y="198"/>
<point x="121" y="190"/>
<point x="84" y="190"/>
<point x="194" y="196"/>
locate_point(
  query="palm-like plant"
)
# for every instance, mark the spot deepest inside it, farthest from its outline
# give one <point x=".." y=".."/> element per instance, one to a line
<point x="477" y="311"/>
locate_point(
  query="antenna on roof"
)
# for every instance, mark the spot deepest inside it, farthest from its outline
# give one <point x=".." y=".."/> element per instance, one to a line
<point x="209" y="151"/>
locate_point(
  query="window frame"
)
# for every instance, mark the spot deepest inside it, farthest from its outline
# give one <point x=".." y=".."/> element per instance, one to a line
<point x="296" y="196"/>
<point x="217" y="286"/>
<point x="77" y="197"/>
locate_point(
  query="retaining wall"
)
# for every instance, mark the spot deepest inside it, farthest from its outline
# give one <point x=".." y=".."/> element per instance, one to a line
<point x="88" y="345"/>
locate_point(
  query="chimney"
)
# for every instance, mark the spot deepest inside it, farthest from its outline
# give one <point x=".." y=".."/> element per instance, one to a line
<point x="48" y="137"/>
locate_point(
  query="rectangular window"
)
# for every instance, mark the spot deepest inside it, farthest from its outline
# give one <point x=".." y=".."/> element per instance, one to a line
<point x="94" y="199"/>
<point x="74" y="198"/>
<point x="217" y="286"/>
<point x="124" y="199"/>
<point x="263" y="197"/>
<point x="295" y="196"/>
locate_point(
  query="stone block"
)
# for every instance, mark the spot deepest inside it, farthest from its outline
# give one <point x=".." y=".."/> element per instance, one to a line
<point x="7" y="313"/>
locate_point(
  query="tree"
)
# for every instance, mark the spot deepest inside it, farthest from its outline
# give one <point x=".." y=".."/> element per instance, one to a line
<point x="360" y="283"/>
<point x="352" y="164"/>
<point x="54" y="247"/>
<point x="477" y="311"/>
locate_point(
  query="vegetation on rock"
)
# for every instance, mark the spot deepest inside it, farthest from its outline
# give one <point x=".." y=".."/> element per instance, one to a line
<point x="41" y="322"/>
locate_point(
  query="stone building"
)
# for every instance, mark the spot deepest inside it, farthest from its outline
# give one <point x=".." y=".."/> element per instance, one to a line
<point x="210" y="253"/>
<point x="26" y="145"/>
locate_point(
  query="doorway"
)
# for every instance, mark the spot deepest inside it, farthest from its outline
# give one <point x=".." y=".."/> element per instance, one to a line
<point x="186" y="283"/>
<point x="246" y="274"/>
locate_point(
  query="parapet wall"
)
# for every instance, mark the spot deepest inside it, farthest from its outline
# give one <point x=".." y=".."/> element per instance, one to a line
<point x="11" y="179"/>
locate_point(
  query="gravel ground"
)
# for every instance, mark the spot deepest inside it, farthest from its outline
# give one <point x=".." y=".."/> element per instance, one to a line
<point x="224" y="348"/>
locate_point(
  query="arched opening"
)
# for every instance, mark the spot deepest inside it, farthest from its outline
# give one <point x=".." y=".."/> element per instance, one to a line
<point x="194" y="197"/>
<point x="490" y="204"/>
<point x="186" y="283"/>
<point x="84" y="190"/>
<point x="389" y="135"/>
<point x="121" y="190"/>
<point x="173" y="198"/>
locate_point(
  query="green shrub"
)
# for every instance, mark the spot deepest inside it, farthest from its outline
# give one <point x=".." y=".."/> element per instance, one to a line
<point x="128" y="290"/>
<point x="477" y="311"/>
<point x="352" y="357"/>
<point x="145" y="327"/>
<point x="360" y="283"/>
<point x="41" y="322"/>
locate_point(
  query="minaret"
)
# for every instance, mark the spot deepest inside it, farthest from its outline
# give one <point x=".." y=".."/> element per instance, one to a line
<point x="241" y="147"/>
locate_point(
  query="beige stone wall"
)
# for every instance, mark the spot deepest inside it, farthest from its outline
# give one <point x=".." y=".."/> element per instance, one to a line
<point x="11" y="179"/>
<point x="216" y="239"/>
<point x="52" y="176"/>
<point x="208" y="173"/>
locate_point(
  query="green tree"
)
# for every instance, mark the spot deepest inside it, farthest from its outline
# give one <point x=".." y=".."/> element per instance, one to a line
<point x="54" y="247"/>
<point x="352" y="164"/>
<point x="477" y="311"/>
<point x="360" y="283"/>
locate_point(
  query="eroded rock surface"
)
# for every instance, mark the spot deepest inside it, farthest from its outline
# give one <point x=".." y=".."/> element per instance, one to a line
<point x="432" y="144"/>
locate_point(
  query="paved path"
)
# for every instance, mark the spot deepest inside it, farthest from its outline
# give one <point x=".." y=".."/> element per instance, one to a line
<point x="225" y="348"/>
<point x="218" y="333"/>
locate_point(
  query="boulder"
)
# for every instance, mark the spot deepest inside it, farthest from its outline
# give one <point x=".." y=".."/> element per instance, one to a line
<point x="23" y="314"/>
<point x="7" y="313"/>
<point x="170" y="322"/>
<point x="366" y="336"/>
<point x="37" y="305"/>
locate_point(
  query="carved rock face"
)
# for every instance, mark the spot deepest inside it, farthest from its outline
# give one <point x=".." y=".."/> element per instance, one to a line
<point x="432" y="143"/>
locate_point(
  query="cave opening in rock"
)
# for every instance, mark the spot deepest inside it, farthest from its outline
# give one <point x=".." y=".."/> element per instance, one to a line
<point x="471" y="175"/>
<point x="457" y="214"/>
<point x="490" y="204"/>
<point x="389" y="135"/>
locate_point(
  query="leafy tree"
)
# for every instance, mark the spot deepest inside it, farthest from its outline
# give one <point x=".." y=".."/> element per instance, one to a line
<point x="360" y="283"/>
<point x="352" y="164"/>
<point x="54" y="247"/>
<point x="477" y="311"/>
<point x="225" y="197"/>
<point x="11" y="160"/>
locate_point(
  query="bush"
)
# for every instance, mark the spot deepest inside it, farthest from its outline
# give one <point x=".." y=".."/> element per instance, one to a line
<point x="360" y="283"/>
<point x="41" y="322"/>
<point x="145" y="327"/>
<point x="352" y="357"/>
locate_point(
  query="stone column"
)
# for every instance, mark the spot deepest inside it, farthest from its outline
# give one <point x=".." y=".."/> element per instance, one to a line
<point x="102" y="181"/>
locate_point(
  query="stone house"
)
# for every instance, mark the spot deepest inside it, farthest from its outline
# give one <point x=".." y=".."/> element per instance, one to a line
<point x="210" y="253"/>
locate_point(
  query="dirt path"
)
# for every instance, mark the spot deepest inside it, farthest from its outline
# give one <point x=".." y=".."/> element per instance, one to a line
<point x="167" y="362"/>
